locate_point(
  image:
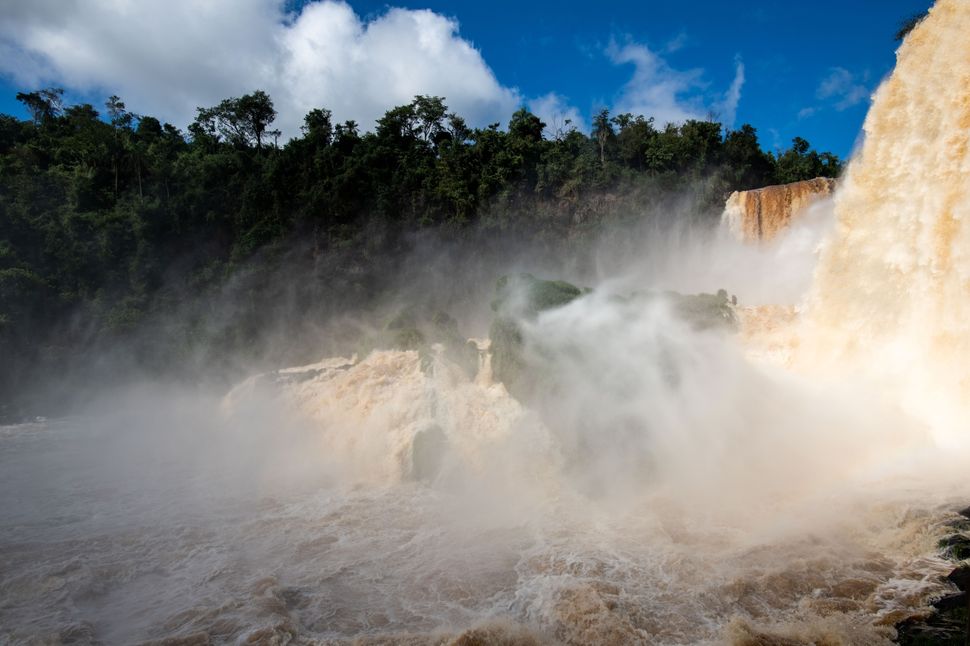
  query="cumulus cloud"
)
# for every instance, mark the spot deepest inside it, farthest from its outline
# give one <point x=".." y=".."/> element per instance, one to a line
<point x="669" y="95"/>
<point x="331" y="58"/>
<point x="168" y="57"/>
<point x="558" y="115"/>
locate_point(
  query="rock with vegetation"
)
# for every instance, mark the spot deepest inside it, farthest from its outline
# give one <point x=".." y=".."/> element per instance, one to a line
<point x="420" y="329"/>
<point x="706" y="311"/>
<point x="956" y="546"/>
<point x="522" y="297"/>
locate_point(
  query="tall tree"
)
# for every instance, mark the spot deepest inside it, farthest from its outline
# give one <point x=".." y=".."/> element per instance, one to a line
<point x="242" y="121"/>
<point x="603" y="132"/>
<point x="43" y="105"/>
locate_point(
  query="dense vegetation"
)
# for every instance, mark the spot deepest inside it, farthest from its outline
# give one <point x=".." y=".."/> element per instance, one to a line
<point x="112" y="223"/>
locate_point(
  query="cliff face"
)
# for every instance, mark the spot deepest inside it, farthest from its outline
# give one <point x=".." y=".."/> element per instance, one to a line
<point x="759" y="215"/>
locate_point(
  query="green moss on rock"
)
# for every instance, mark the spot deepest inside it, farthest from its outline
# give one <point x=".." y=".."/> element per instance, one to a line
<point x="522" y="297"/>
<point x="705" y="311"/>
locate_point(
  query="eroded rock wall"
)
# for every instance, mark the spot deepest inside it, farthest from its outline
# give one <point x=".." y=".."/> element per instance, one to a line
<point x="760" y="215"/>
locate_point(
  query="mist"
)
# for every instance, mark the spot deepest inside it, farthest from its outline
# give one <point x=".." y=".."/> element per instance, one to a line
<point x="361" y="496"/>
<point x="644" y="431"/>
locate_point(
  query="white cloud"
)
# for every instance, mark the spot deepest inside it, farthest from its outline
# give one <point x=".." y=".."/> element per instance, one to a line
<point x="668" y="95"/>
<point x="727" y="109"/>
<point x="842" y="88"/>
<point x="676" y="43"/>
<point x="557" y="114"/>
<point x="656" y="90"/>
<point x="331" y="58"/>
<point x="167" y="57"/>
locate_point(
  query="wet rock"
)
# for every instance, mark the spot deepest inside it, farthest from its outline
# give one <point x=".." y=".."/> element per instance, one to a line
<point x="960" y="577"/>
<point x="951" y="602"/>
<point x="428" y="449"/>
<point x="940" y="630"/>
<point x="948" y="624"/>
<point x="956" y="547"/>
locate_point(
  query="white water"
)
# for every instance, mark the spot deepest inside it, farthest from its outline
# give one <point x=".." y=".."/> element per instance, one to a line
<point x="672" y="491"/>
<point x="890" y="300"/>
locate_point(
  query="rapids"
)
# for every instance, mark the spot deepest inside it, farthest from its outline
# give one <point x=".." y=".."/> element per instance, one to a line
<point x="787" y="485"/>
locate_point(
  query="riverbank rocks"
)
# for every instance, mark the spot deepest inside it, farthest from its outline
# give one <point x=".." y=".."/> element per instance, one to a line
<point x="949" y="623"/>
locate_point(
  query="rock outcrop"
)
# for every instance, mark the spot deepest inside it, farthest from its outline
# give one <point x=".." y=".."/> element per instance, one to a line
<point x="522" y="297"/>
<point x="760" y="215"/>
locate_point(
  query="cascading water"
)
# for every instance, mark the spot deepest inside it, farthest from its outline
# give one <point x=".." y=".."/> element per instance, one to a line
<point x="667" y="490"/>
<point x="891" y="293"/>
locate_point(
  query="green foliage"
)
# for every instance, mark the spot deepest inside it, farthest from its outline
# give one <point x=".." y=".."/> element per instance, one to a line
<point x="800" y="162"/>
<point x="110" y="223"/>
<point x="241" y="122"/>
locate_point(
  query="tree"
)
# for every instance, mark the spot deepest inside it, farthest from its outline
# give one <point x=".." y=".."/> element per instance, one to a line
<point x="242" y="121"/>
<point x="255" y="111"/>
<point x="800" y="162"/>
<point x="318" y="126"/>
<point x="120" y="117"/>
<point x="430" y="112"/>
<point x="746" y="164"/>
<point x="635" y="136"/>
<point x="603" y="132"/>
<point x="43" y="105"/>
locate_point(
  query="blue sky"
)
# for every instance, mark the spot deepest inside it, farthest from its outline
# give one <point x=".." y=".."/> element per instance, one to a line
<point x="808" y="68"/>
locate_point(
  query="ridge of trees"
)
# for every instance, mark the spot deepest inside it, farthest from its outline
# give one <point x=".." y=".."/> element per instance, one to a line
<point x="107" y="221"/>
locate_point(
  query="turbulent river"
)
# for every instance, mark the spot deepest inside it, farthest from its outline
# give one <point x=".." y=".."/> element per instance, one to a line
<point x="788" y="485"/>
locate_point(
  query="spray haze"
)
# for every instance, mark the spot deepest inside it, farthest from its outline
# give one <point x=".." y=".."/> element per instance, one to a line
<point x="661" y="483"/>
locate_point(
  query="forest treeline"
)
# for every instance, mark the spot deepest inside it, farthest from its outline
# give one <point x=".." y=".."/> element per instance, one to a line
<point x="110" y="222"/>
